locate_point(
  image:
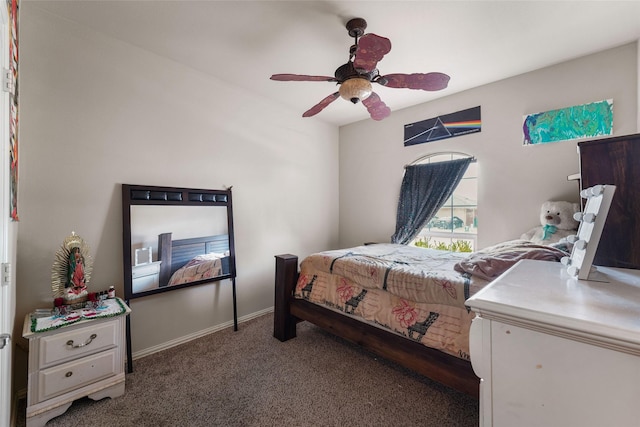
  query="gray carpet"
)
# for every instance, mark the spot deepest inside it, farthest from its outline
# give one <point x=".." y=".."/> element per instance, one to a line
<point x="248" y="378"/>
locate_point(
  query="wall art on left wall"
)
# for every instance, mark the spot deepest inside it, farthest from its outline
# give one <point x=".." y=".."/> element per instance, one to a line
<point x="12" y="6"/>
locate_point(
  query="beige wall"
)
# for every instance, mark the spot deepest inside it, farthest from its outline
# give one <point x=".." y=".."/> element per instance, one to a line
<point x="96" y="113"/>
<point x="514" y="180"/>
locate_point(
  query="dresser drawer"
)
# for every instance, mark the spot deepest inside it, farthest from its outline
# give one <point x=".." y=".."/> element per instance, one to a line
<point x="76" y="343"/>
<point x="146" y="283"/>
<point x="145" y="270"/>
<point x="72" y="375"/>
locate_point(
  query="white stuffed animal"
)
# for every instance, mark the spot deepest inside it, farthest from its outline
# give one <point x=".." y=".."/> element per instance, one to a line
<point x="557" y="222"/>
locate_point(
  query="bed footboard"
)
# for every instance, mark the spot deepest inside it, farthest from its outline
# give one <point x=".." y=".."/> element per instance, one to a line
<point x="284" y="324"/>
<point x="288" y="311"/>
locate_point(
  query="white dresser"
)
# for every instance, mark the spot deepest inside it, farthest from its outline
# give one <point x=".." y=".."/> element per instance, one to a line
<point x="81" y="359"/>
<point x="555" y="351"/>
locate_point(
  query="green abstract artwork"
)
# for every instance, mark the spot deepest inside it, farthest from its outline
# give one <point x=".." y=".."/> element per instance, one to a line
<point x="581" y="121"/>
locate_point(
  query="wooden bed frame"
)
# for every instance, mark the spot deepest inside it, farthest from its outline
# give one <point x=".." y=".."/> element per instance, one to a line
<point x="176" y="253"/>
<point x="436" y="365"/>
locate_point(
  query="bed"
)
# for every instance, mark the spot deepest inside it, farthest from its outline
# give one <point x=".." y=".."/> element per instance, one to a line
<point x="403" y="303"/>
<point x="192" y="260"/>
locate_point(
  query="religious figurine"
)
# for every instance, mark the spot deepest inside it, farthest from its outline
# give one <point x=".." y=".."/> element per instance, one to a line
<point x="76" y="283"/>
<point x="71" y="270"/>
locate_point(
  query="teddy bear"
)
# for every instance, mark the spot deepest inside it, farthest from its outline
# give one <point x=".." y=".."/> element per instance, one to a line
<point x="556" y="223"/>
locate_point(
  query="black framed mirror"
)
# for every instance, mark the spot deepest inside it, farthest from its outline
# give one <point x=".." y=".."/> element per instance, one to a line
<point x="173" y="238"/>
<point x="176" y="237"/>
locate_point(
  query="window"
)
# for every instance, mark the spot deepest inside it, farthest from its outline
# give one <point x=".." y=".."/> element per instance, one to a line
<point x="455" y="225"/>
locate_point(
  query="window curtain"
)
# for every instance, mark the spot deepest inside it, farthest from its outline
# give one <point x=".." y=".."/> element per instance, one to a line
<point x="425" y="188"/>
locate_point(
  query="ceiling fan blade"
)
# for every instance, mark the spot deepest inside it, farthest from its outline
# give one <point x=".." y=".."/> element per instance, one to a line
<point x="371" y="49"/>
<point x="428" y="81"/>
<point x="321" y="105"/>
<point x="301" y="78"/>
<point x="376" y="108"/>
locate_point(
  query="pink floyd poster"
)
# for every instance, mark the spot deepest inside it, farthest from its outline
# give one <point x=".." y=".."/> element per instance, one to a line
<point x="442" y="127"/>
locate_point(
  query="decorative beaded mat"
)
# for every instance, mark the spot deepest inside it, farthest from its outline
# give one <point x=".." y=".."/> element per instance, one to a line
<point x="109" y="308"/>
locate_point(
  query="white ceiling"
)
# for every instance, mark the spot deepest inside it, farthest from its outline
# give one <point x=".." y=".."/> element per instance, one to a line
<point x="244" y="42"/>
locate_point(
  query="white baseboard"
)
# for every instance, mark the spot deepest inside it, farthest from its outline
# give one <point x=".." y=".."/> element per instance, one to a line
<point x="184" y="339"/>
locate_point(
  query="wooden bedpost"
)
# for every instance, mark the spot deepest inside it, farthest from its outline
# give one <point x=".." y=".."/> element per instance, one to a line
<point x="164" y="255"/>
<point x="284" y="324"/>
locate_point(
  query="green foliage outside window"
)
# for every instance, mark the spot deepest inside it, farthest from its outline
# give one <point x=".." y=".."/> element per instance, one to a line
<point x="454" y="246"/>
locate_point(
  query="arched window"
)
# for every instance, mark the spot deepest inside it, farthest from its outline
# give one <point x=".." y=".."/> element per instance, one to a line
<point x="455" y="225"/>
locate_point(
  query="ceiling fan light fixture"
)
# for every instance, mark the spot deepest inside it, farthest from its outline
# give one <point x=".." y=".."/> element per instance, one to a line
<point x="356" y="75"/>
<point x="355" y="89"/>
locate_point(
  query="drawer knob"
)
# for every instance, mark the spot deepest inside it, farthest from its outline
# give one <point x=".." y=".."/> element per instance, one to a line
<point x="68" y="374"/>
<point x="87" y="342"/>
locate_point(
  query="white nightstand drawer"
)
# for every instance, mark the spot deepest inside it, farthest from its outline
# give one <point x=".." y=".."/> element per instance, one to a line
<point x="77" y="343"/>
<point x="145" y="269"/>
<point x="72" y="375"/>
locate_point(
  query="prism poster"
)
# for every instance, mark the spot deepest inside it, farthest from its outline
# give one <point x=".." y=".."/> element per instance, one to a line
<point x="447" y="126"/>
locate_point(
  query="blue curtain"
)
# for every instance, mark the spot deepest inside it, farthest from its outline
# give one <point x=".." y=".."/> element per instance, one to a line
<point x="425" y="188"/>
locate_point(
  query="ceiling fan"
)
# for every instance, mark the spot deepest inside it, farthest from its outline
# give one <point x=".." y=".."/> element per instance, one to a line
<point x="355" y="77"/>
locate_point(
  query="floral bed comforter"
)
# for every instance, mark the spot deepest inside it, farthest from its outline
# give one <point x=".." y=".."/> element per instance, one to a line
<point x="416" y="292"/>
<point x="411" y="291"/>
<point x="199" y="268"/>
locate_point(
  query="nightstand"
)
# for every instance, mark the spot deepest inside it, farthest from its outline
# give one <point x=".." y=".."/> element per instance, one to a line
<point x="145" y="277"/>
<point x="71" y="360"/>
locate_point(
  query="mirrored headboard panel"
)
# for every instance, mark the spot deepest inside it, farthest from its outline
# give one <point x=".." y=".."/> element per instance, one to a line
<point x="175" y="237"/>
